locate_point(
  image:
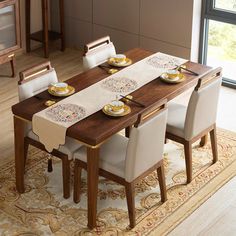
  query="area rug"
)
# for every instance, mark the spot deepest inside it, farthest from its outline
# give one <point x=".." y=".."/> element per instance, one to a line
<point x="41" y="210"/>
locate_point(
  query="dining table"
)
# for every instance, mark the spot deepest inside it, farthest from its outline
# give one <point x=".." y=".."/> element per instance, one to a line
<point x="97" y="128"/>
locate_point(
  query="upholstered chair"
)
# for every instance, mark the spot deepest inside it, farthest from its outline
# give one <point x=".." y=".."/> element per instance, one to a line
<point x="97" y="52"/>
<point x="126" y="161"/>
<point x="33" y="81"/>
<point x="188" y="124"/>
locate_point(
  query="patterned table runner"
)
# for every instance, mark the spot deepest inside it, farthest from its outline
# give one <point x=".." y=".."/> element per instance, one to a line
<point x="51" y="124"/>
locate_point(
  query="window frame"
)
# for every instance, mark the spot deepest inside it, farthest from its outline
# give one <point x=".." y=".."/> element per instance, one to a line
<point x="209" y="12"/>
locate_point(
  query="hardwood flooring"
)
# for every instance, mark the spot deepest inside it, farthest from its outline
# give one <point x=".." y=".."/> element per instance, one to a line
<point x="215" y="217"/>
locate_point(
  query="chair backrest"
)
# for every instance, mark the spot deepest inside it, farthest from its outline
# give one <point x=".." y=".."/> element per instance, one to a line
<point x="35" y="80"/>
<point x="146" y="141"/>
<point x="202" y="107"/>
<point x="97" y="52"/>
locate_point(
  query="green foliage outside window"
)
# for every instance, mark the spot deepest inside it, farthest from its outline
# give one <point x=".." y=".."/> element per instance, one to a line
<point x="222" y="36"/>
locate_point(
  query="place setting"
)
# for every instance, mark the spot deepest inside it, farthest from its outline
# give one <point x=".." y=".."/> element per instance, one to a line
<point x="118" y="108"/>
<point x="175" y="76"/>
<point x="172" y="76"/>
<point x="119" y="60"/>
<point x="61" y="89"/>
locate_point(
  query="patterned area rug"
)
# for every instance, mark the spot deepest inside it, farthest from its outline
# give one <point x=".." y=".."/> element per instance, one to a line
<point x="41" y="210"/>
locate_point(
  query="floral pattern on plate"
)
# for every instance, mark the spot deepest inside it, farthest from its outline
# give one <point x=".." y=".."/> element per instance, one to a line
<point x="119" y="85"/>
<point x="66" y="113"/>
<point x="163" y="61"/>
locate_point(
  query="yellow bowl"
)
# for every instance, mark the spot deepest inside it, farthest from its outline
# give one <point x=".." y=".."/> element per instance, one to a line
<point x="172" y="74"/>
<point x="116" y="105"/>
<point x="60" y="87"/>
<point x="119" y="58"/>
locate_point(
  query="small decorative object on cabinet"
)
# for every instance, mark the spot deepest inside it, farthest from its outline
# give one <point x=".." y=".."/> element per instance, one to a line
<point x="9" y="31"/>
<point x="45" y="34"/>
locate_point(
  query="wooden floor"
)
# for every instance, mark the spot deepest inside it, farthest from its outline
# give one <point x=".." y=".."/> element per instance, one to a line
<point x="221" y="206"/>
<point x="216" y="217"/>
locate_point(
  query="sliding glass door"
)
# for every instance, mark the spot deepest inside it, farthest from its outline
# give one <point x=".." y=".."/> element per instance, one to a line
<point x="219" y="37"/>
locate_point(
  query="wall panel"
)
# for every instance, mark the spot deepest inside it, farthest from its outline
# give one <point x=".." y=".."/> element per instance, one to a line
<point x="123" y="41"/>
<point x="122" y="15"/>
<point x="160" y="25"/>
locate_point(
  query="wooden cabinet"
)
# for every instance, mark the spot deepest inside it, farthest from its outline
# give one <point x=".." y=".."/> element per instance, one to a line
<point x="9" y="31"/>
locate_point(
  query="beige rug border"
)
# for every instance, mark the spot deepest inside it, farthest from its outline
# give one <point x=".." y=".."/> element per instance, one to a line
<point x="197" y="199"/>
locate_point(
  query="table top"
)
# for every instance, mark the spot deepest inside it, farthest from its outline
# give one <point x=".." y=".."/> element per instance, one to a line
<point x="98" y="127"/>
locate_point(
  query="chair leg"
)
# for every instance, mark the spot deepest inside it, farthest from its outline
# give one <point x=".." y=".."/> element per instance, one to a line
<point x="127" y="131"/>
<point x="66" y="177"/>
<point x="77" y="182"/>
<point x="203" y="141"/>
<point x="50" y="168"/>
<point x="129" y="189"/>
<point x="162" y="182"/>
<point x="214" y="145"/>
<point x="188" y="160"/>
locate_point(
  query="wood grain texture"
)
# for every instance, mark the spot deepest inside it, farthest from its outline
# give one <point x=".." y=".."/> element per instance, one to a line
<point x="92" y="180"/>
<point x="98" y="127"/>
<point x="69" y="64"/>
<point x="19" y="130"/>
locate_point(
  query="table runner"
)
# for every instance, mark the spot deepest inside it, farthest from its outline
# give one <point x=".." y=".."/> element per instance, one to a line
<point x="50" y="124"/>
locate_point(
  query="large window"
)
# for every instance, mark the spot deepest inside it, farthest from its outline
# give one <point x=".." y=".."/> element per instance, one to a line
<point x="219" y="37"/>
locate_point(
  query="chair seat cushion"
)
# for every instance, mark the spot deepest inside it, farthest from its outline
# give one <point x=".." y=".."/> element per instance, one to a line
<point x="112" y="155"/>
<point x="69" y="148"/>
<point x="176" y="119"/>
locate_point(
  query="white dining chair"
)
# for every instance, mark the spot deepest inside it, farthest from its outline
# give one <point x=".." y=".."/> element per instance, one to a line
<point x="33" y="81"/>
<point x="126" y="161"/>
<point x="187" y="124"/>
<point x="97" y="52"/>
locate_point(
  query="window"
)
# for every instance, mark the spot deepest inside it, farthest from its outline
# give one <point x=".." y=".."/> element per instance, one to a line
<point x="219" y="37"/>
<point x="225" y="5"/>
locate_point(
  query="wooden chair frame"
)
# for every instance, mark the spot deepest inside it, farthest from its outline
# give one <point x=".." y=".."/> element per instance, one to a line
<point x="99" y="42"/>
<point x="26" y="76"/>
<point x="146" y="114"/>
<point x="33" y="72"/>
<point x="202" y="82"/>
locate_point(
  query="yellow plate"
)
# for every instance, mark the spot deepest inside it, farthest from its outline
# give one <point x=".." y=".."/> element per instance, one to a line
<point x="164" y="77"/>
<point x="111" y="61"/>
<point x="52" y="91"/>
<point x="107" y="110"/>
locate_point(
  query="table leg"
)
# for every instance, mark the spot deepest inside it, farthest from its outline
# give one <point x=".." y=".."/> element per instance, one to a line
<point x="92" y="171"/>
<point x="19" y="132"/>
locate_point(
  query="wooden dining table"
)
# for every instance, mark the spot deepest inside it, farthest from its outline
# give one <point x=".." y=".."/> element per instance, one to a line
<point x="94" y="130"/>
